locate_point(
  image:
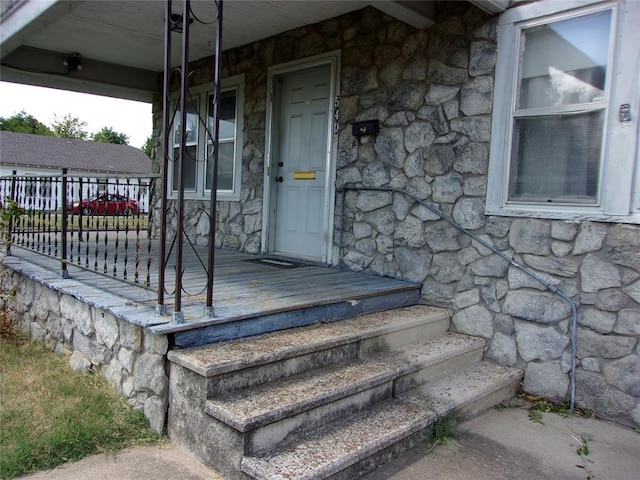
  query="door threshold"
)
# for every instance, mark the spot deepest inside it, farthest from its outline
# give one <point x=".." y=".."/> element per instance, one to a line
<point x="290" y="258"/>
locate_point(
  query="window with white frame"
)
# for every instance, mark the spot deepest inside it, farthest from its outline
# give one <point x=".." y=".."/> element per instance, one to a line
<point x="562" y="142"/>
<point x="198" y="162"/>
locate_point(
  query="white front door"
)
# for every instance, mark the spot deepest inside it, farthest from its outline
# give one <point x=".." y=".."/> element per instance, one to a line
<point x="300" y="161"/>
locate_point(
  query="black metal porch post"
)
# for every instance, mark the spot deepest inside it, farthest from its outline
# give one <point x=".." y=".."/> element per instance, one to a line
<point x="209" y="308"/>
<point x="178" y="316"/>
<point x="64" y="273"/>
<point x="13" y="196"/>
<point x="161" y="308"/>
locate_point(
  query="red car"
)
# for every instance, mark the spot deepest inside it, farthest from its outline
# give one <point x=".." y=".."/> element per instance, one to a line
<point x="105" y="204"/>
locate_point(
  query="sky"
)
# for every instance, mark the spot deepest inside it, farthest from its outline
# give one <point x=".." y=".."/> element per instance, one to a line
<point x="124" y="116"/>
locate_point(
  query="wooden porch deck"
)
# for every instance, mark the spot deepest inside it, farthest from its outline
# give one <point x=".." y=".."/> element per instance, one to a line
<point x="249" y="297"/>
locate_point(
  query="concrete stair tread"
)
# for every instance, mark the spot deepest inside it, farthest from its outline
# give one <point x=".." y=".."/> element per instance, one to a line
<point x="338" y="445"/>
<point x="255" y="406"/>
<point x="441" y="348"/>
<point x="341" y="444"/>
<point x="456" y="391"/>
<point x="218" y="358"/>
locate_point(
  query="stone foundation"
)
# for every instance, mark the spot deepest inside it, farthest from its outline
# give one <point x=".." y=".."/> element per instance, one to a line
<point x="131" y="359"/>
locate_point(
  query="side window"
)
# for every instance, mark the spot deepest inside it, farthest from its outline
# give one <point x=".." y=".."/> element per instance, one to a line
<point x="190" y="162"/>
<point x="198" y="164"/>
<point x="560" y="146"/>
<point x="559" y="114"/>
<point x="226" y="141"/>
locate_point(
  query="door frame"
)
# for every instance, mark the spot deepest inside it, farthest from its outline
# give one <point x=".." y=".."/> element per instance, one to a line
<point x="269" y="198"/>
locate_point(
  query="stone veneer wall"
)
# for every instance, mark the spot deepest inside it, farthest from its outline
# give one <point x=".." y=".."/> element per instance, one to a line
<point x="131" y="359"/>
<point x="432" y="93"/>
<point x="435" y="107"/>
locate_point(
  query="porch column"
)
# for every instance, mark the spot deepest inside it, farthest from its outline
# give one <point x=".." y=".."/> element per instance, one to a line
<point x="161" y="308"/>
<point x="209" y="309"/>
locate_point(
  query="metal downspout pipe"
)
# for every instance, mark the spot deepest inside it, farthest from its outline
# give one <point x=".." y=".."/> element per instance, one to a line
<point x="551" y="288"/>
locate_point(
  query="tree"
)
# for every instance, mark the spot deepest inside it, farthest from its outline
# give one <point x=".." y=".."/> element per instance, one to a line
<point x="69" y="127"/>
<point x="148" y="146"/>
<point x="109" y="135"/>
<point x="22" y="122"/>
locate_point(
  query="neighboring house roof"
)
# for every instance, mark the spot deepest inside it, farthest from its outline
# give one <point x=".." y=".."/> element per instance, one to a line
<point x="27" y="150"/>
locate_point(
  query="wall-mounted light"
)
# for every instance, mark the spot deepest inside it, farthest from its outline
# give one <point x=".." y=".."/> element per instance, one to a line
<point x="73" y="63"/>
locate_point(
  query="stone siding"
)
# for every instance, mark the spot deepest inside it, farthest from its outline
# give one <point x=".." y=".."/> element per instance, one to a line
<point x="132" y="360"/>
<point x="432" y="92"/>
<point x="434" y="108"/>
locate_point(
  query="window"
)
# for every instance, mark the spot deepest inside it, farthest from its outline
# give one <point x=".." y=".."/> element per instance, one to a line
<point x="198" y="164"/>
<point x="567" y="76"/>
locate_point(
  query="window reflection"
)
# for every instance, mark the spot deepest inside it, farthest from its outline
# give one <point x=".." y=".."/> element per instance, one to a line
<point x="565" y="62"/>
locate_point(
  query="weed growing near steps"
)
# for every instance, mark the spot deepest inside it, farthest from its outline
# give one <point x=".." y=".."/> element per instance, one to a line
<point x="50" y="415"/>
<point x="539" y="405"/>
<point x="583" y="452"/>
<point x="442" y="432"/>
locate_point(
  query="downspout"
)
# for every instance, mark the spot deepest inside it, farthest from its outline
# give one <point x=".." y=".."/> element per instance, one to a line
<point x="522" y="268"/>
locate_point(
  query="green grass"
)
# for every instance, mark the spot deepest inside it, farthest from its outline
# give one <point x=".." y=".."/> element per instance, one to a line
<point x="50" y="415"/>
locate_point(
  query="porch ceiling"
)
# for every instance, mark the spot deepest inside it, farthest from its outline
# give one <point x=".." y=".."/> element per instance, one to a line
<point x="120" y="43"/>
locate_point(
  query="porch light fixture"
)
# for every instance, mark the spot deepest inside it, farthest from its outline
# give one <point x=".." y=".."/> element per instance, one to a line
<point x="73" y="63"/>
<point x="177" y="22"/>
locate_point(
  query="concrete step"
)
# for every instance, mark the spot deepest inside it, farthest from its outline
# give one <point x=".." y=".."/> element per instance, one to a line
<point x="349" y="447"/>
<point x="267" y="357"/>
<point x="339" y="446"/>
<point x="427" y="360"/>
<point x="271" y="411"/>
<point x="268" y="413"/>
<point x="468" y="392"/>
<point x="330" y="400"/>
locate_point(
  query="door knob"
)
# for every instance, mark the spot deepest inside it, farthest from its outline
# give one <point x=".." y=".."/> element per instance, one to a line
<point x="281" y="164"/>
<point x="279" y="179"/>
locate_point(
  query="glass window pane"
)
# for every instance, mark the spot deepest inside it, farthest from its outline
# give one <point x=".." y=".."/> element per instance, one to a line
<point x="556" y="158"/>
<point x="192" y="124"/>
<point x="190" y="167"/>
<point x="225" y="166"/>
<point x="565" y="62"/>
<point x="227" y="115"/>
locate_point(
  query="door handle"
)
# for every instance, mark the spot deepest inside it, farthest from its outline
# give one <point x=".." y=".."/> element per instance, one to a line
<point x="281" y="164"/>
<point x="279" y="179"/>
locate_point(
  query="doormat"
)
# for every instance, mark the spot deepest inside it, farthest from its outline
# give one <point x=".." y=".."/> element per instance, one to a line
<point x="272" y="262"/>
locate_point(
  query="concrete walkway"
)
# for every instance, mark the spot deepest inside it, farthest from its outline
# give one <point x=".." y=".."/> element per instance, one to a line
<point x="498" y="445"/>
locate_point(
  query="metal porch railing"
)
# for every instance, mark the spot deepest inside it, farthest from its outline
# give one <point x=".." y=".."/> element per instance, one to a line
<point x="118" y="243"/>
<point x="98" y="223"/>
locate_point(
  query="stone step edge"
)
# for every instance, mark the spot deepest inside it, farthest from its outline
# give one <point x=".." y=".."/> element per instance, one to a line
<point x="265" y="468"/>
<point x="423" y="354"/>
<point x="390" y="366"/>
<point x="461" y="389"/>
<point x="343" y="443"/>
<point x="225" y="357"/>
<point x="244" y="420"/>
